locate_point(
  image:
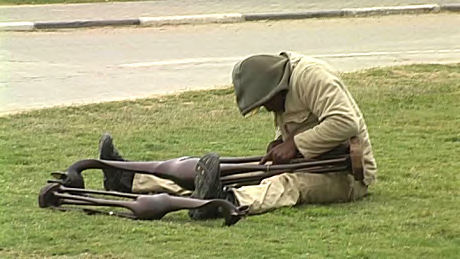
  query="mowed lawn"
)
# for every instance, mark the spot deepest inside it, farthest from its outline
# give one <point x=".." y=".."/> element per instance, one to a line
<point x="413" y="211"/>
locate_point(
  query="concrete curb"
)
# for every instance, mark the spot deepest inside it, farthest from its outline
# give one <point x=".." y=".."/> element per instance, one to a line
<point x="82" y="24"/>
<point x="347" y="12"/>
<point x="191" y="19"/>
<point x="231" y="17"/>
<point x="451" y="7"/>
<point x="17" y="26"/>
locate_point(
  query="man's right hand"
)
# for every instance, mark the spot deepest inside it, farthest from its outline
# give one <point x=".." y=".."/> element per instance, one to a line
<point x="281" y="153"/>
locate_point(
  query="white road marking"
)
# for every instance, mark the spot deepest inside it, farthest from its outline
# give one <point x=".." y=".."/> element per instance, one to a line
<point x="220" y="60"/>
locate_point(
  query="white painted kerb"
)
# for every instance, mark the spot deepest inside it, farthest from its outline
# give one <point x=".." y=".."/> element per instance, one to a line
<point x="16" y="26"/>
<point x="393" y="9"/>
<point x="192" y="19"/>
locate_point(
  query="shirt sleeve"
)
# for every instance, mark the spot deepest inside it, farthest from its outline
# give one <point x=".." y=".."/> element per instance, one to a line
<point x="278" y="133"/>
<point x="325" y="96"/>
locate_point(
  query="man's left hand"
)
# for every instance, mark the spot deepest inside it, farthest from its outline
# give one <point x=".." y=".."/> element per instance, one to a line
<point x="281" y="153"/>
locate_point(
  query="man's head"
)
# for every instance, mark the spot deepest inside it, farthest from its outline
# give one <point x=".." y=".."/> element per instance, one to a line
<point x="276" y="103"/>
<point x="261" y="80"/>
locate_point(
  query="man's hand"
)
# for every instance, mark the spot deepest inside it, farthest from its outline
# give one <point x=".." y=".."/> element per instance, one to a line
<point x="281" y="153"/>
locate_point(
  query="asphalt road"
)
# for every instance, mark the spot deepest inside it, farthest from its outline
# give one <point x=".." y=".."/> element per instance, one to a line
<point x="120" y="10"/>
<point x="42" y="69"/>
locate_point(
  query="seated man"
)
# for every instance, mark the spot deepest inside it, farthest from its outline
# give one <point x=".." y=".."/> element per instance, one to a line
<point x="314" y="112"/>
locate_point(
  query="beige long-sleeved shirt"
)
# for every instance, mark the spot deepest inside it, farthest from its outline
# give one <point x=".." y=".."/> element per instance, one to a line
<point x="321" y="113"/>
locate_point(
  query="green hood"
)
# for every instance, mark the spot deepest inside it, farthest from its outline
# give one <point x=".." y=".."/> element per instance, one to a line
<point x="258" y="78"/>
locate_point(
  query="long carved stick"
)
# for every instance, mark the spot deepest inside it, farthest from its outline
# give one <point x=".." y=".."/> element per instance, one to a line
<point x="182" y="170"/>
<point x="145" y="207"/>
<point x="252" y="177"/>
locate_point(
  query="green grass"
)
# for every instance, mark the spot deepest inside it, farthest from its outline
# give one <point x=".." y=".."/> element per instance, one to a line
<point x="413" y="117"/>
<point x="23" y="2"/>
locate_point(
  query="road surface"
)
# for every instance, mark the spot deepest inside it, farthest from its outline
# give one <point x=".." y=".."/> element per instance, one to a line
<point x="44" y="69"/>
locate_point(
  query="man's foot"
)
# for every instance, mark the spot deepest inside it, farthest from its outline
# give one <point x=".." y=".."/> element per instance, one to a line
<point x="207" y="185"/>
<point x="114" y="179"/>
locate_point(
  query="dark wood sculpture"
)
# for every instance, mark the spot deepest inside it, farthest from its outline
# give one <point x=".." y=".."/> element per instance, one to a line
<point x="68" y="188"/>
<point x="234" y="171"/>
<point x="146" y="207"/>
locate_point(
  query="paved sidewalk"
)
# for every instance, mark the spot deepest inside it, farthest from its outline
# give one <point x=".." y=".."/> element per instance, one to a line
<point x="131" y="10"/>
